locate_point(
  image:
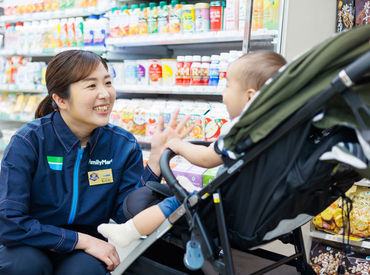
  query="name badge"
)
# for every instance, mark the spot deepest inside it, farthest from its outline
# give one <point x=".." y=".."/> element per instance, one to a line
<point x="100" y="177"/>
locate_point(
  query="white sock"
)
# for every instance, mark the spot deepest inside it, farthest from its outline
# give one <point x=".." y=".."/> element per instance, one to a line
<point x="120" y="234"/>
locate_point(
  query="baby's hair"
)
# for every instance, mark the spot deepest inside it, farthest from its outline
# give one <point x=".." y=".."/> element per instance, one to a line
<point x="257" y="67"/>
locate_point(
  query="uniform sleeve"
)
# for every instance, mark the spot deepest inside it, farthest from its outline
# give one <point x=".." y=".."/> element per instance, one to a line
<point x="133" y="176"/>
<point x="17" y="226"/>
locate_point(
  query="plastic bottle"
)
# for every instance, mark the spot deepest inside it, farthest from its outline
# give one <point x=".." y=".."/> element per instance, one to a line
<point x="101" y="31"/>
<point x="195" y="72"/>
<point x="175" y="17"/>
<point x="79" y="32"/>
<point x="214" y="71"/>
<point x="56" y="43"/>
<point x="188" y="18"/>
<point x="202" y="22"/>
<point x="257" y="19"/>
<point x="187" y="68"/>
<point x="224" y="63"/>
<point x="71" y="26"/>
<point x="125" y="21"/>
<point x="179" y="76"/>
<point x="153" y="18"/>
<point x="89" y="30"/>
<point x="114" y="29"/>
<point x="163" y="17"/>
<point x="216" y="12"/>
<point x="231" y="15"/>
<point x="143" y="19"/>
<point x="206" y="60"/>
<point x="134" y="19"/>
<point x="63" y="33"/>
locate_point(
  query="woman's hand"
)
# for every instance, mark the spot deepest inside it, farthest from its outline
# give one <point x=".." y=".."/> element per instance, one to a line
<point x="99" y="249"/>
<point x="161" y="137"/>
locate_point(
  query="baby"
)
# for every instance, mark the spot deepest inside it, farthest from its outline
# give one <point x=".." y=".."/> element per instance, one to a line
<point x="245" y="77"/>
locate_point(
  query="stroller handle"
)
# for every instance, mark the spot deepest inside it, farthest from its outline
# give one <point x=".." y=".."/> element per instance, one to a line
<point x="172" y="182"/>
<point x="360" y="66"/>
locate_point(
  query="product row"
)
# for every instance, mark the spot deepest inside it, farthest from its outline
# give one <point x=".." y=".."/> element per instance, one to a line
<point x="184" y="71"/>
<point x="335" y="219"/>
<point x="140" y="117"/>
<point x="18" y="7"/>
<point x="50" y="34"/>
<point x="19" y="106"/>
<point x="352" y="13"/>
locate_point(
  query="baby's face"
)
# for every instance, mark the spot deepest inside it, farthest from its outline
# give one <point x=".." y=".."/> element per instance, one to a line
<point x="234" y="95"/>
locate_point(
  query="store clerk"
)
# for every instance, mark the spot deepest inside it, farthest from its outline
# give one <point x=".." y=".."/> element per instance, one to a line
<point x="69" y="171"/>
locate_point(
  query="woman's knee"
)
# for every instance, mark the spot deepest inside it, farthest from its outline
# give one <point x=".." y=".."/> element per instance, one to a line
<point x="24" y="260"/>
<point x="80" y="262"/>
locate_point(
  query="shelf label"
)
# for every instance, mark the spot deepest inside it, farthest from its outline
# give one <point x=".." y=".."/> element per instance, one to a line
<point x="365" y="244"/>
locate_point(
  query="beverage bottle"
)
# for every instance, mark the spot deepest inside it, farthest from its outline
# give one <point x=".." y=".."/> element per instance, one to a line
<point x="175" y="17"/>
<point x="71" y="32"/>
<point x="195" y="72"/>
<point x="125" y="21"/>
<point x="143" y="19"/>
<point x="216" y="12"/>
<point x="257" y="20"/>
<point x="179" y="77"/>
<point x="79" y="32"/>
<point x="153" y="18"/>
<point x="187" y="68"/>
<point x="63" y="32"/>
<point x="224" y="63"/>
<point x="206" y="60"/>
<point x="134" y="19"/>
<point x="202" y="22"/>
<point x="101" y="31"/>
<point x="114" y="29"/>
<point x="188" y="18"/>
<point x="214" y="71"/>
<point x="163" y="17"/>
<point x="89" y="30"/>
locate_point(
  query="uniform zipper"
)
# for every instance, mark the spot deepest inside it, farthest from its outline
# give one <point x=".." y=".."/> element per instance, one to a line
<point x="76" y="171"/>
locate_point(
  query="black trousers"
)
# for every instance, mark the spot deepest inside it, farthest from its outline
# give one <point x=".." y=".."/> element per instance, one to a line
<point x="33" y="261"/>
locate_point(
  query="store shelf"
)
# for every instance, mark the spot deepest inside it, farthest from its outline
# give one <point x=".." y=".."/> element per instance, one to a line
<point x="72" y="12"/>
<point x="50" y="52"/>
<point x="188" y="90"/>
<point x="189" y="38"/>
<point x="357" y="242"/>
<point x="36" y="89"/>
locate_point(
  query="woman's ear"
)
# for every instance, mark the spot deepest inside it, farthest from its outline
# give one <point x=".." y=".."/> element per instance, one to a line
<point x="251" y="93"/>
<point x="60" y="102"/>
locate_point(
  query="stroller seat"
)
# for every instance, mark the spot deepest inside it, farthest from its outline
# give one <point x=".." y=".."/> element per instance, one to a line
<point x="286" y="170"/>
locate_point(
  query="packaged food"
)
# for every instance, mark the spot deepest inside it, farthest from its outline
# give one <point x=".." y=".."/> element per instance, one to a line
<point x="175" y="17"/>
<point x="216" y="12"/>
<point x="130" y="70"/>
<point x="155" y="72"/>
<point x="345" y="15"/>
<point x="168" y="71"/>
<point x="187" y="70"/>
<point x="179" y="77"/>
<point x="362" y="12"/>
<point x="142" y="72"/>
<point x="196" y="71"/>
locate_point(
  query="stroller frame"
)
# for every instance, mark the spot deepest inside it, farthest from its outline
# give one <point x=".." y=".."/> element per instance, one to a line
<point x="222" y="261"/>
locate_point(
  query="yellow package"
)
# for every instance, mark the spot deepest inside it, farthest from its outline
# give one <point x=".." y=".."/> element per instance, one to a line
<point x="19" y="104"/>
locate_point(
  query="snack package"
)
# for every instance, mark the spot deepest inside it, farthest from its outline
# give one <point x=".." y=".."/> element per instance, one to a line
<point x="362" y="12"/>
<point x="345" y="14"/>
<point x="331" y="219"/>
<point x="326" y="259"/>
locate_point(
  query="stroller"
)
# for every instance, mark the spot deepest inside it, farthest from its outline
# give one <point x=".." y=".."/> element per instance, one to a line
<point x="300" y="145"/>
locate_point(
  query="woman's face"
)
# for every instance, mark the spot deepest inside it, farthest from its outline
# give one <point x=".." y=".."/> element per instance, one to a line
<point x="91" y="100"/>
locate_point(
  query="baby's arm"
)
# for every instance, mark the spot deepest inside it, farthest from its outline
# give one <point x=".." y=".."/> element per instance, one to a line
<point x="198" y="155"/>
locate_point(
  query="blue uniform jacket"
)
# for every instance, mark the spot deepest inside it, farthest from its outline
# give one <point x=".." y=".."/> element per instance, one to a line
<point x="50" y="187"/>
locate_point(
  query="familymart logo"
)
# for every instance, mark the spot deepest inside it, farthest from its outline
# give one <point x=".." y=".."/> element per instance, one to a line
<point x="55" y="163"/>
<point x="100" y="162"/>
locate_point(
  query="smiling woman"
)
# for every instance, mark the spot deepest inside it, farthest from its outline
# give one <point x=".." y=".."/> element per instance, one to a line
<point x="68" y="171"/>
